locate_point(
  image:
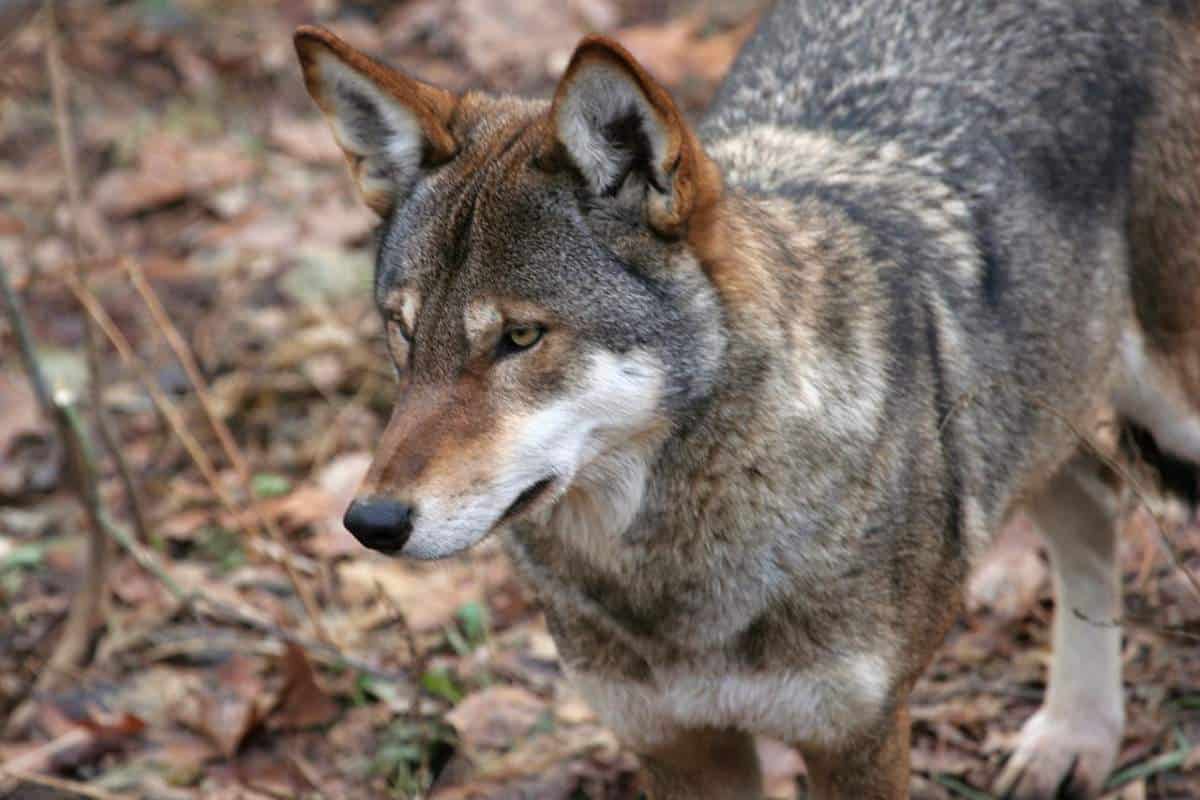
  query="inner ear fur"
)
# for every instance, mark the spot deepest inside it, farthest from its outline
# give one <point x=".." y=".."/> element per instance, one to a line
<point x="606" y="109"/>
<point x="388" y="125"/>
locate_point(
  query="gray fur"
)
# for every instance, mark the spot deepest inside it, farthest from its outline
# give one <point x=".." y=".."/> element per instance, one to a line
<point x="927" y="282"/>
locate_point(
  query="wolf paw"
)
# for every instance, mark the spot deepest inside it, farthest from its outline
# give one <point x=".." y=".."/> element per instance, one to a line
<point x="1061" y="759"/>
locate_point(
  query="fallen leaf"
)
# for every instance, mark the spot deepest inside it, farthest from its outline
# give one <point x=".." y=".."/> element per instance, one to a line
<point x="185" y="525"/>
<point x="674" y="51"/>
<point x="307" y="139"/>
<point x="169" y="169"/>
<point x="20" y="417"/>
<point x="497" y="717"/>
<point x="303" y="703"/>
<point x="500" y="38"/>
<point x="230" y="707"/>
<point x="428" y="596"/>
<point x="338" y="482"/>
<point x="90" y="739"/>
<point x="338" y="221"/>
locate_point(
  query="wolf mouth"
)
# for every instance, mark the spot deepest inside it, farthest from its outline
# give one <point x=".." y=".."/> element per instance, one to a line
<point x="526" y="499"/>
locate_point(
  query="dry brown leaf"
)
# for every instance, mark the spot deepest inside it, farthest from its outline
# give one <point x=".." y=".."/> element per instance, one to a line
<point x="303" y="703"/>
<point x="230" y="707"/>
<point x="185" y="525"/>
<point x="305" y="138"/>
<point x="185" y="753"/>
<point x="673" y="51"/>
<point x="303" y="506"/>
<point x="338" y="481"/>
<point x="521" y="41"/>
<point x="168" y="170"/>
<point x="429" y="596"/>
<point x="497" y="717"/>
<point x="19" y="412"/>
<point x="84" y="743"/>
<point x="133" y="585"/>
<point x="338" y="221"/>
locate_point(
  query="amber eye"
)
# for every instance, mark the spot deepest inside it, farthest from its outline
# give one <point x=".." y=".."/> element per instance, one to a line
<point x="524" y="338"/>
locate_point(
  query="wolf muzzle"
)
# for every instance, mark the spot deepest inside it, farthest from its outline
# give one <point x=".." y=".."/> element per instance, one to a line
<point x="379" y="523"/>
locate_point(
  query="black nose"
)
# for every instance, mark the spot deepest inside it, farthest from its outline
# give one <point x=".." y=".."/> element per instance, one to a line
<point x="379" y="524"/>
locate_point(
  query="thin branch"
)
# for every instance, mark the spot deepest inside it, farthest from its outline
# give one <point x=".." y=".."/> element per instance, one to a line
<point x="29" y="359"/>
<point x="61" y="784"/>
<point x="197" y="601"/>
<point x="31" y="765"/>
<point x="1134" y="486"/>
<point x="1168" y="545"/>
<point x="72" y="647"/>
<point x="184" y="354"/>
<point x="168" y="410"/>
<point x="69" y="156"/>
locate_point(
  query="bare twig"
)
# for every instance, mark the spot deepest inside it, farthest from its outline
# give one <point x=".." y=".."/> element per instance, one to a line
<point x="68" y="155"/>
<point x="168" y="410"/>
<point x="61" y="784"/>
<point x="228" y="444"/>
<point x="199" y="602"/>
<point x="72" y="430"/>
<point x="1134" y="486"/>
<point x="29" y="766"/>
<point x="1168" y="545"/>
<point x="179" y="427"/>
<point x="72" y="647"/>
<point x="25" y="347"/>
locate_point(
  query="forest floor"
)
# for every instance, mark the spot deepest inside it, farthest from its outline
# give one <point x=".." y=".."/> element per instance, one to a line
<point x="208" y="183"/>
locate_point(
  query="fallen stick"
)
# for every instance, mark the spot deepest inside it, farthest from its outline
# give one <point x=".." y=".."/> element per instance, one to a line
<point x="228" y="444"/>
<point x="73" y="644"/>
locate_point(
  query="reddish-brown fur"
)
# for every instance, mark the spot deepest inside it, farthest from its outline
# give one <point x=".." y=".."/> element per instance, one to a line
<point x="433" y="107"/>
<point x="1164" y="227"/>
<point x="696" y="180"/>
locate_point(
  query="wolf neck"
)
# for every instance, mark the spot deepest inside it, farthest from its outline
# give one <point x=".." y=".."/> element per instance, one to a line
<point x="804" y="253"/>
<point x="826" y="259"/>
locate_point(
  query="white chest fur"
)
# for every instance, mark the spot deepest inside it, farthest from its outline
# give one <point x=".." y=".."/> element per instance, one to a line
<point x="820" y="705"/>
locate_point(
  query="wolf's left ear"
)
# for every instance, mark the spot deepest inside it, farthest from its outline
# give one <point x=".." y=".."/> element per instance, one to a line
<point x="613" y="119"/>
<point x="390" y="126"/>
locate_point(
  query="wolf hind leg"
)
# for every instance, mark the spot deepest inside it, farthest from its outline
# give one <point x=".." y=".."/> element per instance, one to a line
<point x="1068" y="747"/>
<point x="874" y="768"/>
<point x="703" y="764"/>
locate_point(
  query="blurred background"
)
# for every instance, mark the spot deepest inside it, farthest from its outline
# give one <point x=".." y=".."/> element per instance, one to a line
<point x="181" y="613"/>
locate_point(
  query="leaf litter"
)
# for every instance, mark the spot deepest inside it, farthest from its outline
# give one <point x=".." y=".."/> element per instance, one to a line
<point x="202" y="158"/>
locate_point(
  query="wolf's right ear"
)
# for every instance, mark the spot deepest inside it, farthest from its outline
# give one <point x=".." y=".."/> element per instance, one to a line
<point x="389" y="125"/>
<point x="614" y="120"/>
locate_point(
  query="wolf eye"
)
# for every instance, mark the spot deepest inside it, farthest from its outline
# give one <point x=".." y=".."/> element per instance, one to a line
<point x="515" y="340"/>
<point x="524" y="338"/>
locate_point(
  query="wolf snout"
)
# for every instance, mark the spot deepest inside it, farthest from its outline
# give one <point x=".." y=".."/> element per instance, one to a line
<point x="379" y="523"/>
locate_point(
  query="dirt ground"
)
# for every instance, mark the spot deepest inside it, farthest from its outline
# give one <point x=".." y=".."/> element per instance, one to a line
<point x="244" y="646"/>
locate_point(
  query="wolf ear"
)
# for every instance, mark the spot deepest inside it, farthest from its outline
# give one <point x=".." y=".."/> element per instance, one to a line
<point x="389" y="125"/>
<point x="613" y="119"/>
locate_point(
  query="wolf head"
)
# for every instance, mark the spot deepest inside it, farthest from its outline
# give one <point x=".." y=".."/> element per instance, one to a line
<point x="546" y="312"/>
